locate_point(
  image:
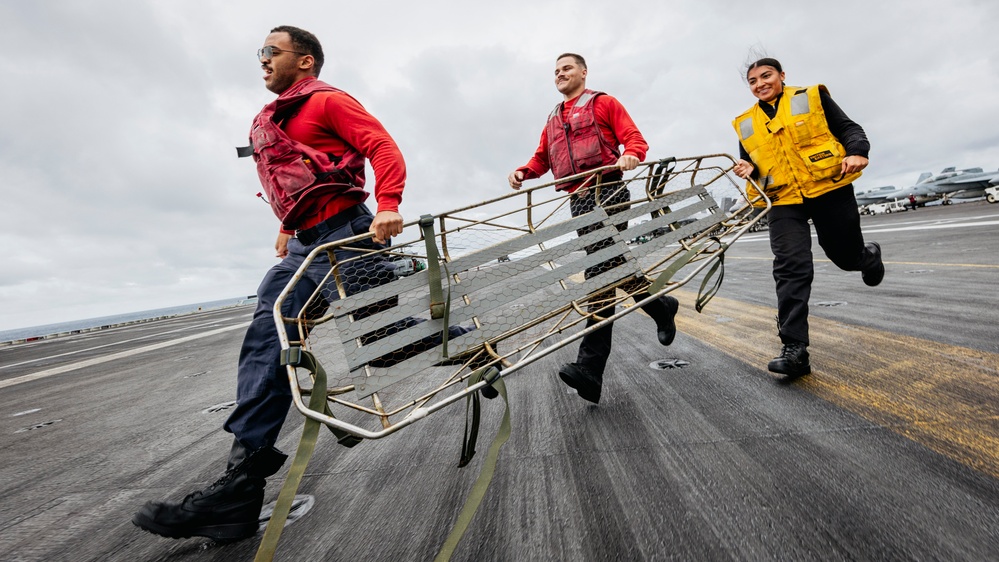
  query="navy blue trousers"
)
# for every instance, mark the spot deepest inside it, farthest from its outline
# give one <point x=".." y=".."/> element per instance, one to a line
<point x="263" y="394"/>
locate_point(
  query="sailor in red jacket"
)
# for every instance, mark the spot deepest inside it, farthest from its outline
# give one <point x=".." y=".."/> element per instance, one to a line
<point x="318" y="196"/>
<point x="584" y="132"/>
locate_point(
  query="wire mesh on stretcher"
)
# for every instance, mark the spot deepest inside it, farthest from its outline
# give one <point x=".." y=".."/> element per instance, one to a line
<point x="506" y="282"/>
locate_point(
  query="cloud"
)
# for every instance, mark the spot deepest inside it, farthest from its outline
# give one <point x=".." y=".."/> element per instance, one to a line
<point x="122" y="190"/>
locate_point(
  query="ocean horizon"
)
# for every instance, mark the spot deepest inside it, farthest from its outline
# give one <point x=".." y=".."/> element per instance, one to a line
<point x="18" y="334"/>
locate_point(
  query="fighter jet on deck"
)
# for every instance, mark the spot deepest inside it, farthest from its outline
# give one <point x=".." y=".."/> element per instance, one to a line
<point x="887" y="193"/>
<point x="876" y="195"/>
<point x="953" y="183"/>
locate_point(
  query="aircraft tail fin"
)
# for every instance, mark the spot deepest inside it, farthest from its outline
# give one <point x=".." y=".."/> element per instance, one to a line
<point x="923" y="177"/>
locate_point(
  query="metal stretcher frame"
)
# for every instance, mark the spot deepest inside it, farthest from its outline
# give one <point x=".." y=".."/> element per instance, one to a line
<point x="687" y="233"/>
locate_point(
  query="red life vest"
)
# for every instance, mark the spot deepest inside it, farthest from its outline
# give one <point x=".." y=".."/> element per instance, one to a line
<point x="577" y="145"/>
<point x="288" y="169"/>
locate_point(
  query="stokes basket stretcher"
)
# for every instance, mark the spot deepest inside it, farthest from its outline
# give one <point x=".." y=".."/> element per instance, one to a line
<point x="507" y="281"/>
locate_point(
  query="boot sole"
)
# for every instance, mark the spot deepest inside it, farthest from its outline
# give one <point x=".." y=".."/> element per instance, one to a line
<point x="222" y="533"/>
<point x="791" y="375"/>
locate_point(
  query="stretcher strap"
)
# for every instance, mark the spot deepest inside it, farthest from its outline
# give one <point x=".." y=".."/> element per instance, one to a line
<point x="703" y="296"/>
<point x="471" y="434"/>
<point x="306" y="446"/>
<point x="293" y="356"/>
<point x="491" y="375"/>
<point x="677" y="265"/>
<point x="437" y="304"/>
<point x="440" y="306"/>
<point x="488" y="465"/>
<point x="660" y="177"/>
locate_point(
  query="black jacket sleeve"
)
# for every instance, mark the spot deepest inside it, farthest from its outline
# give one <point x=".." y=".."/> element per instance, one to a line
<point x="850" y="134"/>
<point x="847" y="132"/>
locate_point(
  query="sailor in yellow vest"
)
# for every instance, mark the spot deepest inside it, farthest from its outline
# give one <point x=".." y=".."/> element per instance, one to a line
<point x="804" y="152"/>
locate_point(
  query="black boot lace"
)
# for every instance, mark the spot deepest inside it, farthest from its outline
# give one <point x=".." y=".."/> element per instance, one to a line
<point x="222" y="481"/>
<point x="789" y="350"/>
<point x="226" y="478"/>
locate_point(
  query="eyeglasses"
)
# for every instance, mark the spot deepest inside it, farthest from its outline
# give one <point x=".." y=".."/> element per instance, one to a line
<point x="269" y="52"/>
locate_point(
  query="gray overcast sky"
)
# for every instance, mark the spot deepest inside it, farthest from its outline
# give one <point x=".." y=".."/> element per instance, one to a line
<point x="121" y="187"/>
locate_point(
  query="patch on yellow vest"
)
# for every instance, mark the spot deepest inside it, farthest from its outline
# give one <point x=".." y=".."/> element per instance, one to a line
<point x="820" y="156"/>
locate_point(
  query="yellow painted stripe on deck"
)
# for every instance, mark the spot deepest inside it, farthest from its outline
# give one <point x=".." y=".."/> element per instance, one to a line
<point x="941" y="396"/>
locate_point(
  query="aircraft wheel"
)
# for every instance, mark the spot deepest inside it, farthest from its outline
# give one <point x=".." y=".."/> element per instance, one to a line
<point x="990" y="198"/>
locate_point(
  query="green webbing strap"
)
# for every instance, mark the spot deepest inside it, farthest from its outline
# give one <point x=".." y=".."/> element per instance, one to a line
<point x="342" y="437"/>
<point x="470" y="437"/>
<point x="660" y="179"/>
<point x="485" y="475"/>
<point x="310" y="433"/>
<point x="293" y="356"/>
<point x="703" y="297"/>
<point x="490" y="374"/>
<point x="677" y="265"/>
<point x="440" y="307"/>
<point x="437" y="303"/>
<point x="719" y="266"/>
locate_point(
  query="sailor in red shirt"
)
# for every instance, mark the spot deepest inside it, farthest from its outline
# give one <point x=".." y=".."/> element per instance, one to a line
<point x="615" y="126"/>
<point x="584" y="132"/>
<point x="333" y="122"/>
<point x="318" y="195"/>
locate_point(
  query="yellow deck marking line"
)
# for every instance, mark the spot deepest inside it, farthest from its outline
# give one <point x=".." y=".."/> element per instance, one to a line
<point x="920" y="263"/>
<point x="115" y="356"/>
<point x="941" y="396"/>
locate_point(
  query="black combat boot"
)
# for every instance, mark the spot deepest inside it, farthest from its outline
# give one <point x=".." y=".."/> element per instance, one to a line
<point x="586" y="381"/>
<point x="875" y="272"/>
<point x="228" y="510"/>
<point x="792" y="361"/>
<point x="663" y="311"/>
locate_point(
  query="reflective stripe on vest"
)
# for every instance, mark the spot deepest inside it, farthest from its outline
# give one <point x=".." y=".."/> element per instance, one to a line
<point x="795" y="153"/>
<point x="799" y="103"/>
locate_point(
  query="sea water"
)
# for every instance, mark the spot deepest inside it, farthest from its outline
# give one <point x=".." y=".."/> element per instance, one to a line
<point x="90" y="323"/>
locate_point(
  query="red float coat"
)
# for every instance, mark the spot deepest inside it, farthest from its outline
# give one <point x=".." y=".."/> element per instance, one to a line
<point x="615" y="126"/>
<point x="331" y="122"/>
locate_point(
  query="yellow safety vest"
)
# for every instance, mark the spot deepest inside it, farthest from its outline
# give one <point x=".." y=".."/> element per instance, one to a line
<point x="795" y="153"/>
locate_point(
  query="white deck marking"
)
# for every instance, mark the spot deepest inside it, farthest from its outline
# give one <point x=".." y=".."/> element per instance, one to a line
<point x="184" y="329"/>
<point x="114" y="357"/>
<point x="914" y="225"/>
<point x="933" y="226"/>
